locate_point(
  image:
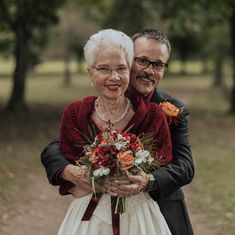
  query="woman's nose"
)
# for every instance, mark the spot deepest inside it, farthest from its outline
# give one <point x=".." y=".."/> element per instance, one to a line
<point x="114" y="75"/>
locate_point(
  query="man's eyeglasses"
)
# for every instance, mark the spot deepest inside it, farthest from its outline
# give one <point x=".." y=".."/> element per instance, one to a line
<point x="108" y="71"/>
<point x="144" y="63"/>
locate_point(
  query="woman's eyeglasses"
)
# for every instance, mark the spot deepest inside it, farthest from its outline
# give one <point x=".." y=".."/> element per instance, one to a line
<point x="108" y="71"/>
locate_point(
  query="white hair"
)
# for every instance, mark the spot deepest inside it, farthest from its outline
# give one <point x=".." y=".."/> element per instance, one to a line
<point x="111" y="38"/>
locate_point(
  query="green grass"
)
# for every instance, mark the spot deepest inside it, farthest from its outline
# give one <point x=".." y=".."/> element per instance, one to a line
<point x="212" y="134"/>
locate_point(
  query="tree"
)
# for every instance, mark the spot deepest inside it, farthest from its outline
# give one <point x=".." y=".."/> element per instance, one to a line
<point x="226" y="10"/>
<point x="28" y="21"/>
<point x="232" y="30"/>
<point x="184" y="25"/>
<point x="128" y="16"/>
<point x="171" y="10"/>
<point x="76" y="25"/>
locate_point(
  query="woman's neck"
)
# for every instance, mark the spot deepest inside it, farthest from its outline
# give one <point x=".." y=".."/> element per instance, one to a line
<point x="111" y="107"/>
<point x="113" y="111"/>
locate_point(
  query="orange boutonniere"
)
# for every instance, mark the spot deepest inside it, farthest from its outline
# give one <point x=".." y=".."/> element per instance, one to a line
<point x="171" y="111"/>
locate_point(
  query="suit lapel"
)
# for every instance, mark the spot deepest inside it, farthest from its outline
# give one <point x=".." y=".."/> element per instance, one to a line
<point x="156" y="97"/>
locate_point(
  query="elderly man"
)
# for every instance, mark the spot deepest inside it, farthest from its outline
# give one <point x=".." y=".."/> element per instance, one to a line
<point x="152" y="51"/>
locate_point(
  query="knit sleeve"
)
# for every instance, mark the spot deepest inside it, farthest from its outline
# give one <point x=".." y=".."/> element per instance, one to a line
<point x="70" y="138"/>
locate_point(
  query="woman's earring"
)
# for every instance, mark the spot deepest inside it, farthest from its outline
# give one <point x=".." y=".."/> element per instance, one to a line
<point x="92" y="84"/>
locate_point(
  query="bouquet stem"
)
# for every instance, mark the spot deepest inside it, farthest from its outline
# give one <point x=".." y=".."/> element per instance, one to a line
<point x="120" y="206"/>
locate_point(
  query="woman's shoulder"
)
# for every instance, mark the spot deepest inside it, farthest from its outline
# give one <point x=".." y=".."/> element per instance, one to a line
<point x="78" y="111"/>
<point x="80" y="104"/>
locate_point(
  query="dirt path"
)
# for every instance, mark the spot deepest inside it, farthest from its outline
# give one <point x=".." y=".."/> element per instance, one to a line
<point x="38" y="210"/>
<point x="201" y="224"/>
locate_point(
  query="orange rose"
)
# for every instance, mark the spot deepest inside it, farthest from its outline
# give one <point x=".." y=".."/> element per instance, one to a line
<point x="125" y="159"/>
<point x="170" y="109"/>
<point x="104" y="142"/>
<point x="93" y="158"/>
<point x="139" y="145"/>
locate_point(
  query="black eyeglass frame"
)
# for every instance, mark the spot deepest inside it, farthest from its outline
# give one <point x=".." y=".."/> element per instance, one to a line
<point x="164" y="65"/>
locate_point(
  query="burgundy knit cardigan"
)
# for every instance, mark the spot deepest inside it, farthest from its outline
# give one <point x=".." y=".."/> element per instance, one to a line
<point x="76" y="119"/>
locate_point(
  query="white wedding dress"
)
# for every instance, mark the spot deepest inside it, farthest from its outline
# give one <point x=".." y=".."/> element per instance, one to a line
<point x="142" y="217"/>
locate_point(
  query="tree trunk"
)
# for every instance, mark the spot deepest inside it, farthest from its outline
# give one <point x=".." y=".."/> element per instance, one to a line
<point x="183" y="69"/>
<point x="205" y="67"/>
<point x="232" y="25"/>
<point x="67" y="73"/>
<point x="17" y="99"/>
<point x="218" y="77"/>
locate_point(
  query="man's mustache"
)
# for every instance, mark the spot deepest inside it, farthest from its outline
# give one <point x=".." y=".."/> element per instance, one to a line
<point x="146" y="77"/>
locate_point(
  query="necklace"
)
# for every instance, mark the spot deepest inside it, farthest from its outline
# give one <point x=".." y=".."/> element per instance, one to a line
<point x="113" y="121"/>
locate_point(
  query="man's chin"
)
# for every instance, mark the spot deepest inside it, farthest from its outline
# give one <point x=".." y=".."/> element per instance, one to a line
<point x="144" y="89"/>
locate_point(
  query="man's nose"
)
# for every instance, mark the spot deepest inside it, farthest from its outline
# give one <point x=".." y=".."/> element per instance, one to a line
<point x="149" y="69"/>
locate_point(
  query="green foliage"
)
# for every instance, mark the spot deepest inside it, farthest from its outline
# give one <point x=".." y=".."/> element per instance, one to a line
<point x="33" y="16"/>
<point x="127" y="16"/>
<point x="86" y="4"/>
<point x="70" y="35"/>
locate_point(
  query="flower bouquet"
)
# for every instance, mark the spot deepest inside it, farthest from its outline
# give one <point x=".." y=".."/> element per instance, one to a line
<point x="114" y="152"/>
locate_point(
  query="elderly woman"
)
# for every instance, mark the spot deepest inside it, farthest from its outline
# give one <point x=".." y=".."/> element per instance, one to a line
<point x="109" y="55"/>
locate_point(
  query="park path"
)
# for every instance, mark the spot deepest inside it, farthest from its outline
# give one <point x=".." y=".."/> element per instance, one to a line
<point x="39" y="209"/>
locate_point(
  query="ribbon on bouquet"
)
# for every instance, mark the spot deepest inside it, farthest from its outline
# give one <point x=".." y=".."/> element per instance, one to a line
<point x="91" y="208"/>
<point x="115" y="217"/>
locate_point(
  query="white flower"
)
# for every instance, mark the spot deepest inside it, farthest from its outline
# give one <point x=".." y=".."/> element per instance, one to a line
<point x="150" y="159"/>
<point x="121" y="143"/>
<point x="142" y="156"/>
<point x="101" y="171"/>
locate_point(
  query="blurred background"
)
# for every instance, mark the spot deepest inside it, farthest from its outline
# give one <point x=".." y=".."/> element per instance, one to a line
<point x="42" y="70"/>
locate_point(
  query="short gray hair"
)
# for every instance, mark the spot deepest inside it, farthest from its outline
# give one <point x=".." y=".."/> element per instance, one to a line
<point x="109" y="37"/>
<point x="154" y="34"/>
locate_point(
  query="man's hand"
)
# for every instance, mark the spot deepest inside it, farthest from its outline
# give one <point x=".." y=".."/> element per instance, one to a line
<point x="78" y="191"/>
<point x="78" y="175"/>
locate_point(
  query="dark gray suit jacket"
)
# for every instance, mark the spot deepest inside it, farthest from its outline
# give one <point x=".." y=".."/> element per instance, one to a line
<point x="170" y="177"/>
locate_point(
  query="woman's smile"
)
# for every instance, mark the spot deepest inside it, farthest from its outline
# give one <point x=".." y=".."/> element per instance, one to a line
<point x="113" y="86"/>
